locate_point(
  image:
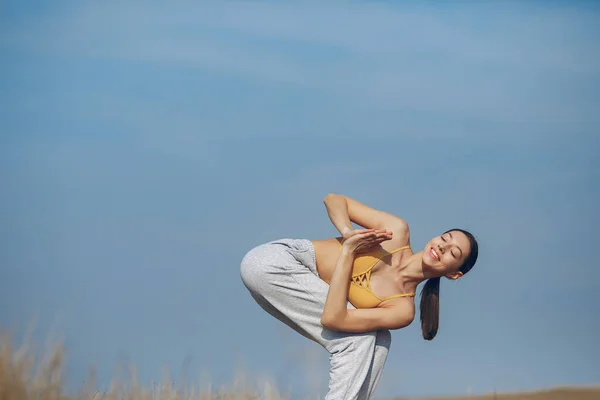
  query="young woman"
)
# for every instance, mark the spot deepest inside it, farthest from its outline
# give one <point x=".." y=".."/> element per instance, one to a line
<point x="346" y="293"/>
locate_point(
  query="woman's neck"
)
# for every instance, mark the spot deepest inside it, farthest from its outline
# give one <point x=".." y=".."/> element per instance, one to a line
<point x="411" y="271"/>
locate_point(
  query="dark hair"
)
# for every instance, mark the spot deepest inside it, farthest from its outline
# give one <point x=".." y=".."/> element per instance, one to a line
<point x="430" y="294"/>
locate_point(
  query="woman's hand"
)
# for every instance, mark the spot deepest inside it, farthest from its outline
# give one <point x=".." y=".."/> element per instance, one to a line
<point x="363" y="240"/>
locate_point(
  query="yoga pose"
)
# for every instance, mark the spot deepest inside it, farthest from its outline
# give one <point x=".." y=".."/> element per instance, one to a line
<point x="346" y="293"/>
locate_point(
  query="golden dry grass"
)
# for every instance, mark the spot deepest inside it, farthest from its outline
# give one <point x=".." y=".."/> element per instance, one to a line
<point x="23" y="376"/>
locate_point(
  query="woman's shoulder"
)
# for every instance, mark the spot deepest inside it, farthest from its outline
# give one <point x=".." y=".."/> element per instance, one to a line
<point x="400" y="234"/>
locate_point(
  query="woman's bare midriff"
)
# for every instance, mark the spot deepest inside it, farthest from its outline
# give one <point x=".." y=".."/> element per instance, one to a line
<point x="327" y="252"/>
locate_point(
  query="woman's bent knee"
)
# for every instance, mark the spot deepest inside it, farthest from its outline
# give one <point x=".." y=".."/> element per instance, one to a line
<point x="251" y="270"/>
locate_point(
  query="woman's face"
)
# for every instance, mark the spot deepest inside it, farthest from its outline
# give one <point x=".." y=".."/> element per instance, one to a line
<point x="445" y="254"/>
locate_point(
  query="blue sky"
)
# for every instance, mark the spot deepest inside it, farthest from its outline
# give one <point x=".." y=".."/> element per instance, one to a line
<point x="146" y="147"/>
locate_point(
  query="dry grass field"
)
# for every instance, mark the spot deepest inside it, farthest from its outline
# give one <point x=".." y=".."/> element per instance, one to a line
<point x="25" y="377"/>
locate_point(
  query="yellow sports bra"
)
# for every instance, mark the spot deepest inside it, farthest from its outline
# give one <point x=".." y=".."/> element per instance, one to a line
<point x="359" y="293"/>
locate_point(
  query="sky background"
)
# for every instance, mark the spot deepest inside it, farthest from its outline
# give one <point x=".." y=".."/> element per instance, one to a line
<point x="145" y="147"/>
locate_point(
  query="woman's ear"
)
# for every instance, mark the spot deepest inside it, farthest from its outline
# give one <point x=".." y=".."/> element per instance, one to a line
<point x="454" y="275"/>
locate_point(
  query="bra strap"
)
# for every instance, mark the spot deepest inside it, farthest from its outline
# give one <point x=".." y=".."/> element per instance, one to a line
<point x="400" y="295"/>
<point x="399" y="248"/>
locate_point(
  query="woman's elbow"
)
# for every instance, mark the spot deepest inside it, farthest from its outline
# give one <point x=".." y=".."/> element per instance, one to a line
<point x="401" y="323"/>
<point x="329" y="322"/>
<point x="331" y="196"/>
<point x="325" y="321"/>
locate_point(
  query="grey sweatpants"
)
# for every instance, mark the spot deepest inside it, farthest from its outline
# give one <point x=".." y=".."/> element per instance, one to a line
<point x="282" y="277"/>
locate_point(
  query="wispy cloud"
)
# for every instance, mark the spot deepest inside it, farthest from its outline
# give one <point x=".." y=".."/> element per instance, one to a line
<point x="506" y="63"/>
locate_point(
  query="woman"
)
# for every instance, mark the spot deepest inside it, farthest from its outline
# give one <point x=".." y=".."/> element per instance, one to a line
<point x="346" y="293"/>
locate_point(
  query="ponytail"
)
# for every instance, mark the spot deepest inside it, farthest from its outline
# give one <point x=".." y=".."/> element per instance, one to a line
<point x="430" y="308"/>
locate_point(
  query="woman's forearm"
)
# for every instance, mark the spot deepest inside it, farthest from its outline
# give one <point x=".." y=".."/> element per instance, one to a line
<point x="337" y="209"/>
<point x="336" y="303"/>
